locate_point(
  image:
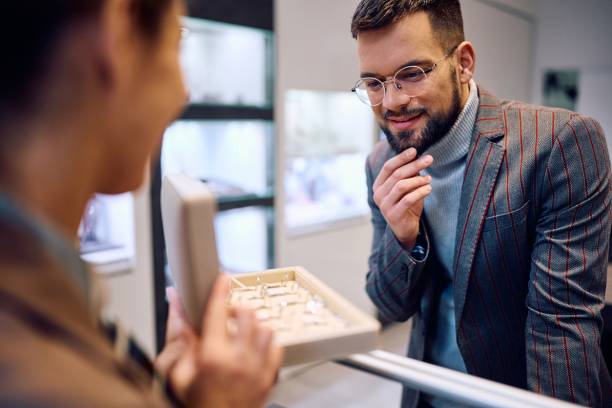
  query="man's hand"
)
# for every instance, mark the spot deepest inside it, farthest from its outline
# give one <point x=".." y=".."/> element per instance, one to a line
<point x="399" y="192"/>
<point x="222" y="369"/>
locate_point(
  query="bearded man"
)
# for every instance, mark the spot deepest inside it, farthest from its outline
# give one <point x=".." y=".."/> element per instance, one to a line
<point x="491" y="217"/>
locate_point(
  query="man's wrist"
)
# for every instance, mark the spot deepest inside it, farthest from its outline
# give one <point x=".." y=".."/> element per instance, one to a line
<point x="417" y="247"/>
<point x="418" y="253"/>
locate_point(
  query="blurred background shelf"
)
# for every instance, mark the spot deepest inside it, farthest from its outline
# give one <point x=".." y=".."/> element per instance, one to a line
<point x="247" y="200"/>
<point x="226" y="112"/>
<point x="226" y="135"/>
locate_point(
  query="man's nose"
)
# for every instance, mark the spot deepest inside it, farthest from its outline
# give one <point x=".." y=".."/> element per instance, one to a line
<point x="394" y="99"/>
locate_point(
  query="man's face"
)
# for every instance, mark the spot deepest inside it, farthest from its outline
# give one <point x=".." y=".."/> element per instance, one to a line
<point x="422" y="120"/>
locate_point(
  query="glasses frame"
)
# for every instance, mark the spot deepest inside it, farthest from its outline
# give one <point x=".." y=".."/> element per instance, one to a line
<point x="396" y="84"/>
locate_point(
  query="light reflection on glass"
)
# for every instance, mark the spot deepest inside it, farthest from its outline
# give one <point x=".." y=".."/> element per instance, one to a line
<point x="235" y="155"/>
<point x="242" y="239"/>
<point x="226" y="64"/>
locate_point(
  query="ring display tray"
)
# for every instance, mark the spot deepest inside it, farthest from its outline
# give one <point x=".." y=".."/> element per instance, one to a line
<point x="310" y="320"/>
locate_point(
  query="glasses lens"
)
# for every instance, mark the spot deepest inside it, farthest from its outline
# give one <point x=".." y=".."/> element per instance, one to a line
<point x="411" y="80"/>
<point x="370" y="91"/>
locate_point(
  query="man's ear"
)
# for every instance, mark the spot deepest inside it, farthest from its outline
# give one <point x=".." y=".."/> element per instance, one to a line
<point x="467" y="61"/>
<point x="112" y="41"/>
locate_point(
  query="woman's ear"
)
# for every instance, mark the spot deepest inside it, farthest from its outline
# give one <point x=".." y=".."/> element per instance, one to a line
<point x="467" y="61"/>
<point x="112" y="39"/>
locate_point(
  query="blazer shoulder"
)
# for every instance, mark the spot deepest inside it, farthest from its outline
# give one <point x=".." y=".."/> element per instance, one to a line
<point x="489" y="100"/>
<point x="557" y="121"/>
<point x="558" y="117"/>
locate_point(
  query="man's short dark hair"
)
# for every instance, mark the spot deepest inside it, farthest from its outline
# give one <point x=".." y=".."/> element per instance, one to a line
<point x="444" y="15"/>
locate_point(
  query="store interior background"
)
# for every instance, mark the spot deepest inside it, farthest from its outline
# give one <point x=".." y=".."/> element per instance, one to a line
<point x="516" y="42"/>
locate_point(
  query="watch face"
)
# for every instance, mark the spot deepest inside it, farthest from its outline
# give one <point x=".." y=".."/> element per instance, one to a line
<point x="418" y="252"/>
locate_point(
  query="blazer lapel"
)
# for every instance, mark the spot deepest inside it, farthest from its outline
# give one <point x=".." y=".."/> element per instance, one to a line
<point x="483" y="162"/>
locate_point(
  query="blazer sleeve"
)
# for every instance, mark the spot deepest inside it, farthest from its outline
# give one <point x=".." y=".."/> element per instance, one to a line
<point x="569" y="267"/>
<point x="394" y="280"/>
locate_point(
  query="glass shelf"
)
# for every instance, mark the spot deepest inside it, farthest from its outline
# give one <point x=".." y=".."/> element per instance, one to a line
<point x="247" y="200"/>
<point x="225" y="64"/>
<point x="235" y="159"/>
<point x="235" y="156"/>
<point x="225" y="136"/>
<point x="227" y="112"/>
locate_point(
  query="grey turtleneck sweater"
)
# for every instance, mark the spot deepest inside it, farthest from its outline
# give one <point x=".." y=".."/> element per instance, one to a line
<point x="441" y="211"/>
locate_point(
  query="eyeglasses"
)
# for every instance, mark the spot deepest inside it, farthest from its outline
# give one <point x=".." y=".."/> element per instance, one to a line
<point x="410" y="81"/>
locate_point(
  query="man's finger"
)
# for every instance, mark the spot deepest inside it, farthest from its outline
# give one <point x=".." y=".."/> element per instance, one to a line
<point x="393" y="164"/>
<point x="410" y="201"/>
<point x="402" y="188"/>
<point x="406" y="171"/>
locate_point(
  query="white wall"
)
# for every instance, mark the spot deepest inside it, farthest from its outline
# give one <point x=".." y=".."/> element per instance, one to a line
<point x="503" y="33"/>
<point x="526" y="7"/>
<point x="578" y="35"/>
<point x="574" y="34"/>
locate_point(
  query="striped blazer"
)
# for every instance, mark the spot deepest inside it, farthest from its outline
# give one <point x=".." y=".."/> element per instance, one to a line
<point x="530" y="259"/>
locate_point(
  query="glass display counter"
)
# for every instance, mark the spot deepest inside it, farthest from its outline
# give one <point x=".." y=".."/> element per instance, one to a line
<point x="106" y="233"/>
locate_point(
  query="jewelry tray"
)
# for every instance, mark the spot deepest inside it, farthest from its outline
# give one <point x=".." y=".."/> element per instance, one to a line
<point x="310" y="320"/>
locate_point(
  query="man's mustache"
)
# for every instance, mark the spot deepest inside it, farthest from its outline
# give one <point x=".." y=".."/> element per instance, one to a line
<point x="404" y="113"/>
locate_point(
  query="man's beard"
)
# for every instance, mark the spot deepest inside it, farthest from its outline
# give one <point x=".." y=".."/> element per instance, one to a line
<point x="435" y="129"/>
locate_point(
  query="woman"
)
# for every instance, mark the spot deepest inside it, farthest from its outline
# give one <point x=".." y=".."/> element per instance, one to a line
<point x="87" y="88"/>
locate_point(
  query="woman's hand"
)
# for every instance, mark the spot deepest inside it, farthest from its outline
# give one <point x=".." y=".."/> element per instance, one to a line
<point x="180" y="336"/>
<point x="220" y="369"/>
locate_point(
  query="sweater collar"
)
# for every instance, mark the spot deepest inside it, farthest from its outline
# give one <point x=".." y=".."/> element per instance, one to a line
<point x="455" y="144"/>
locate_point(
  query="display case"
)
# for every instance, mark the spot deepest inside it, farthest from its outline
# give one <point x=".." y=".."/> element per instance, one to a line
<point x="225" y="136"/>
<point x="106" y="233"/>
<point x="235" y="159"/>
<point x="328" y="137"/>
<point x="227" y="64"/>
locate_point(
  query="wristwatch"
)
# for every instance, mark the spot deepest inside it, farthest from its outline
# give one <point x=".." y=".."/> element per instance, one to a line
<point x="419" y="251"/>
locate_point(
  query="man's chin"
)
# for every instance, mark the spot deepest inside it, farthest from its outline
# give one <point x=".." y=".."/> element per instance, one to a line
<point x="402" y="141"/>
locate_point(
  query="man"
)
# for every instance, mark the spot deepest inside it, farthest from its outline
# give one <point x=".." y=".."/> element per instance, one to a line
<point x="491" y="217"/>
<point x="86" y="91"/>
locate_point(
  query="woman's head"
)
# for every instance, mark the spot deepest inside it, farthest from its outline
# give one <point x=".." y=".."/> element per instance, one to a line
<point x="102" y="72"/>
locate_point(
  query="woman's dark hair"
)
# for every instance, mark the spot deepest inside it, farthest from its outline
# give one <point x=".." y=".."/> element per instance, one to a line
<point x="29" y="34"/>
<point x="444" y="15"/>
